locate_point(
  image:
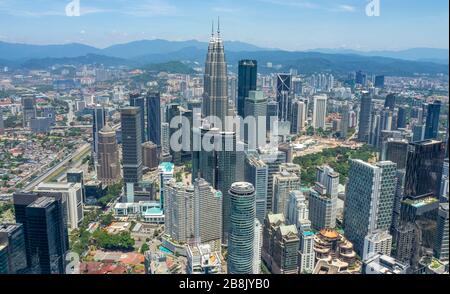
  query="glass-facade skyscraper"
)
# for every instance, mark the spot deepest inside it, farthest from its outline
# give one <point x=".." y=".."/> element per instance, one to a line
<point x="131" y="144"/>
<point x="242" y="228"/>
<point x="137" y="100"/>
<point x="432" y="123"/>
<point x="154" y="118"/>
<point x="247" y="77"/>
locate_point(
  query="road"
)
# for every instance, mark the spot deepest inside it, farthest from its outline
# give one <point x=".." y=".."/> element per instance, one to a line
<point x="48" y="173"/>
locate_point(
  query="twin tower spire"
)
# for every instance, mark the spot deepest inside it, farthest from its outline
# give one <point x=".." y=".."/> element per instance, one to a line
<point x="218" y="28"/>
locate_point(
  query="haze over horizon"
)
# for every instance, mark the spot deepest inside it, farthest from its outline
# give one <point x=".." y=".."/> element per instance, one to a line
<point x="305" y="25"/>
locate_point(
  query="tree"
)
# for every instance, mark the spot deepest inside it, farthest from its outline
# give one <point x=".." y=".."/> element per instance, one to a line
<point x="144" y="248"/>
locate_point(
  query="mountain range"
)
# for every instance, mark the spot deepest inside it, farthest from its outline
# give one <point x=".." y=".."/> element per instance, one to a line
<point x="140" y="53"/>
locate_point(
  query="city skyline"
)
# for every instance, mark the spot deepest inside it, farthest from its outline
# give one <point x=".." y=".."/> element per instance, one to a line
<point x="336" y="24"/>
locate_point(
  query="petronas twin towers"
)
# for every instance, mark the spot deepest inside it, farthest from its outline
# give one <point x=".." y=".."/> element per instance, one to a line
<point x="215" y="94"/>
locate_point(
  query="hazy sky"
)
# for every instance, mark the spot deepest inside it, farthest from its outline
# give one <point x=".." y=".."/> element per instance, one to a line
<point x="285" y="24"/>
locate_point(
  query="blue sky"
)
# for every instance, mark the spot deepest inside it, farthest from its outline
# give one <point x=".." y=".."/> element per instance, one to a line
<point x="285" y="24"/>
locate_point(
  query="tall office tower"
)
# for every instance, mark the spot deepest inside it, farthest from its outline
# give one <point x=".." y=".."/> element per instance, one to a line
<point x="255" y="107"/>
<point x="441" y="242"/>
<point x="424" y="167"/>
<point x="12" y="236"/>
<point x="322" y="208"/>
<point x="179" y="211"/>
<point x="47" y="235"/>
<point x="108" y="169"/>
<point x="285" y="251"/>
<point x="150" y="156"/>
<point x="444" y="189"/>
<point x="49" y="113"/>
<point x="29" y="110"/>
<point x="207" y="214"/>
<point x="272" y="115"/>
<point x="379" y="82"/>
<point x="2" y="124"/>
<point x="389" y="102"/>
<point x="299" y="116"/>
<point x="329" y="179"/>
<point x="283" y="183"/>
<point x="405" y="242"/>
<point x="165" y="171"/>
<point x="401" y="117"/>
<point x="387" y="120"/>
<point x="131" y="145"/>
<point x="364" y="118"/>
<point x="273" y="158"/>
<point x="399" y="193"/>
<point x="284" y="97"/>
<point x="271" y="224"/>
<point x="256" y="173"/>
<point x="361" y="78"/>
<point x="375" y="129"/>
<point x="369" y="200"/>
<point x="137" y="100"/>
<point x="297" y="210"/>
<point x="247" y="78"/>
<point x="242" y="228"/>
<point x="165" y="139"/>
<point x="178" y="115"/>
<point x="226" y="175"/>
<point x="395" y="150"/>
<point x="72" y="200"/>
<point x="345" y="120"/>
<point x="422" y="213"/>
<point x="306" y="258"/>
<point x="153" y="103"/>
<point x="379" y="241"/>
<point x="319" y="111"/>
<point x="432" y="123"/>
<point x="98" y="122"/>
<point x="215" y="96"/>
<point x="418" y="132"/>
<point x="291" y="168"/>
<point x="232" y="92"/>
<point x="257" y="247"/>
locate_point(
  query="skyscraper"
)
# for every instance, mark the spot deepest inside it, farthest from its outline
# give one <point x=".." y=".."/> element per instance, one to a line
<point x="215" y="96"/>
<point x="390" y="101"/>
<point x="29" y="109"/>
<point x="98" y="122"/>
<point x="299" y="116"/>
<point x="424" y="167"/>
<point x="179" y="211"/>
<point x="255" y="107"/>
<point x="320" y="111"/>
<point x="154" y="117"/>
<point x="364" y="118"/>
<point x="47" y="236"/>
<point x="137" y="100"/>
<point x="284" y="97"/>
<point x="345" y="120"/>
<point x="108" y="170"/>
<point x="242" y="228"/>
<point x="441" y="243"/>
<point x="401" y="117"/>
<point x="369" y="200"/>
<point x="207" y="214"/>
<point x="131" y="145"/>
<point x="257" y="247"/>
<point x="2" y="124"/>
<point x="322" y="208"/>
<point x="256" y="173"/>
<point x="12" y="236"/>
<point x="247" y="76"/>
<point x="432" y="123"/>
<point x="273" y="158"/>
<point x="395" y="150"/>
<point x="272" y="114"/>
<point x="283" y="183"/>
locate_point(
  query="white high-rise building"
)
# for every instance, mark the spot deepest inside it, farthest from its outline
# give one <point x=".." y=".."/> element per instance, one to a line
<point x="207" y="214"/>
<point x="377" y="242"/>
<point x="257" y="247"/>
<point x="297" y="208"/>
<point x="283" y="183"/>
<point x="330" y="179"/>
<point x="72" y="195"/>
<point x="179" y="211"/>
<point x="319" y="111"/>
<point x="165" y="138"/>
<point x="369" y="200"/>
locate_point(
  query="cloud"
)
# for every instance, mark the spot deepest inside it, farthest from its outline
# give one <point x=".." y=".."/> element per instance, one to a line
<point x="346" y="8"/>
